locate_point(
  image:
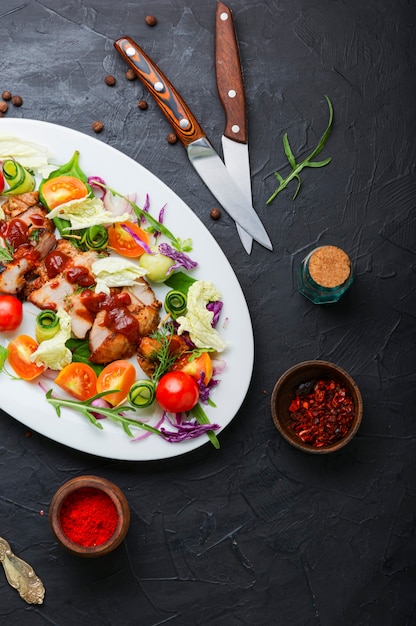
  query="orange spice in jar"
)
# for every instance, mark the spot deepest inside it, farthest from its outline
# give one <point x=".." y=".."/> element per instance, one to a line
<point x="325" y="274"/>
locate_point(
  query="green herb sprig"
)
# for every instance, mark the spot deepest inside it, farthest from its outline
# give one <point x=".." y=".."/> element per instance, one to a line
<point x="163" y="356"/>
<point x="7" y="253"/>
<point x="114" y="414"/>
<point x="298" y="167"/>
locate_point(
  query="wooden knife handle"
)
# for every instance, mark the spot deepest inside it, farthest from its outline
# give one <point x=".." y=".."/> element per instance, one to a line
<point x="230" y="83"/>
<point x="174" y="108"/>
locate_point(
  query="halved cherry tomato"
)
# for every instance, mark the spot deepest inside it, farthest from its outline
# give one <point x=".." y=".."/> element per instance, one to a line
<point x="78" y="379"/>
<point x="123" y="242"/>
<point x="62" y="189"/>
<point x="118" y="375"/>
<point x="177" y="392"/>
<point x="11" y="313"/>
<point x="201" y="365"/>
<point x="20" y="351"/>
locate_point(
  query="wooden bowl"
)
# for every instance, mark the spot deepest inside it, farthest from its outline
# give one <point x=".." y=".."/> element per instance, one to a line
<point x="98" y="488"/>
<point x="284" y="393"/>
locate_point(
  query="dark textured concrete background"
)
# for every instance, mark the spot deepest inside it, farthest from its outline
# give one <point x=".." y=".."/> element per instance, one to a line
<point x="257" y="533"/>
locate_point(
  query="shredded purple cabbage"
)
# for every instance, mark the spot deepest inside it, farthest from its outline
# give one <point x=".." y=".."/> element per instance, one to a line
<point x="216" y="308"/>
<point x="162" y="214"/>
<point x="157" y="233"/>
<point x="146" y="207"/>
<point x="136" y="238"/>
<point x="187" y="430"/>
<point x="205" y="390"/>
<point x="182" y="259"/>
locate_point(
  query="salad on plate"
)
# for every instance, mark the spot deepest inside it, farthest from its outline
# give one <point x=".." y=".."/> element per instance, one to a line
<point x="122" y="330"/>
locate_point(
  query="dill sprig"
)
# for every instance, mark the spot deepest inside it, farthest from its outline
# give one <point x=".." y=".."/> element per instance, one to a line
<point x="163" y="356"/>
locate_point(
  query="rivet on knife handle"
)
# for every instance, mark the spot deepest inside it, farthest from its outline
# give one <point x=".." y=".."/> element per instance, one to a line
<point x="20" y="575"/>
<point x="229" y="78"/>
<point x="174" y="108"/>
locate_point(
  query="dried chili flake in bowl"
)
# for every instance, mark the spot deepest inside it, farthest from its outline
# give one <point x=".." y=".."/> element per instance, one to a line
<point x="323" y="416"/>
<point x="317" y="406"/>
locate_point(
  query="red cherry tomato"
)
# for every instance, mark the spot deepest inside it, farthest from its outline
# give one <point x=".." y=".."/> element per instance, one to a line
<point x="1" y="182"/>
<point x="11" y="313"/>
<point x="177" y="392"/>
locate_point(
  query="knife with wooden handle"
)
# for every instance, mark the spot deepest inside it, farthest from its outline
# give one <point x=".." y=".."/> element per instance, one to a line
<point x="230" y="87"/>
<point x="200" y="152"/>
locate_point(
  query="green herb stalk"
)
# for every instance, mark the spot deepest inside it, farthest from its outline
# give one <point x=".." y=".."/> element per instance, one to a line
<point x="298" y="167"/>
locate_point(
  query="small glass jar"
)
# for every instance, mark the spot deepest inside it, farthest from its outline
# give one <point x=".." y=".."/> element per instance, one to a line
<point x="325" y="274"/>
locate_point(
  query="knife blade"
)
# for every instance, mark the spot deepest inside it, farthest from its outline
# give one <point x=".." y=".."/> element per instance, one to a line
<point x="230" y="86"/>
<point x="200" y="152"/>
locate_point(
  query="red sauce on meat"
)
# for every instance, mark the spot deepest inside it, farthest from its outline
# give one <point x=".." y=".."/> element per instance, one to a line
<point x="37" y="220"/>
<point x="55" y="263"/>
<point x="118" y="318"/>
<point x="80" y="275"/>
<point x="16" y="232"/>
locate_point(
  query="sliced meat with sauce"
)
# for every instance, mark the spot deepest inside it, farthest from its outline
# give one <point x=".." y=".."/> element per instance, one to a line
<point x="30" y="235"/>
<point x="64" y="270"/>
<point x="120" y="322"/>
<point x="107" y="345"/>
<point x="12" y="275"/>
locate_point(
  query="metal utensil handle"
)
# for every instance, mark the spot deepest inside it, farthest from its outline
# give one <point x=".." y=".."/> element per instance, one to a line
<point x="20" y="575"/>
<point x="230" y="83"/>
<point x="174" y="108"/>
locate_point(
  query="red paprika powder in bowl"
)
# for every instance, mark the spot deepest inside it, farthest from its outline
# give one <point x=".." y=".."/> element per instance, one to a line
<point x="317" y="407"/>
<point x="89" y="516"/>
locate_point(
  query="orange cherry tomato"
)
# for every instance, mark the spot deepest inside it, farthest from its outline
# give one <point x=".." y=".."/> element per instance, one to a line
<point x="78" y="379"/>
<point x="20" y="351"/>
<point x="195" y="367"/>
<point x="118" y="376"/>
<point x="123" y="242"/>
<point x="62" y="189"/>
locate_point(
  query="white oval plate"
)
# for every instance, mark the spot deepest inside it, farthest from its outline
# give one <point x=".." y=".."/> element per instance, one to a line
<point x="26" y="401"/>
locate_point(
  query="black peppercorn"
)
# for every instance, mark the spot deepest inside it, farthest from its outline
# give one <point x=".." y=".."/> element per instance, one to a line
<point x="17" y="101"/>
<point x="142" y="104"/>
<point x="110" y="81"/>
<point x="215" y="214"/>
<point x="151" y="20"/>
<point x="3" y="107"/>
<point x="6" y="95"/>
